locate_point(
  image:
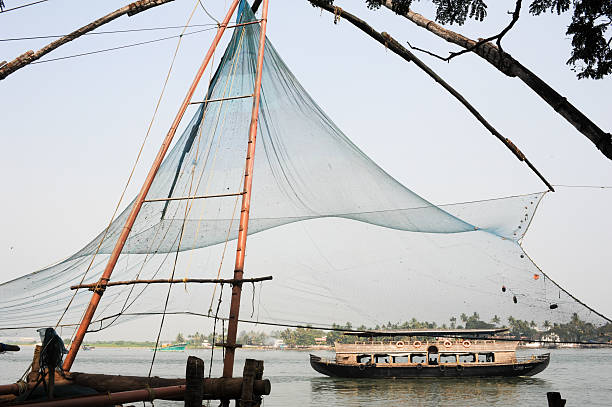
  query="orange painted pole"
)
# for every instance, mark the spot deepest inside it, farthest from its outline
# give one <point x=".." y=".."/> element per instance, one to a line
<point x="232" y="328"/>
<point x="95" y="299"/>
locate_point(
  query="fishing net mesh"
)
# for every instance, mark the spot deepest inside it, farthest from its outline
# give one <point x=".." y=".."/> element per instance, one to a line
<point x="366" y="249"/>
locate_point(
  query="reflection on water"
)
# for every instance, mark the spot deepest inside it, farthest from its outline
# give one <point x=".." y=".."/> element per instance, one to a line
<point x="424" y="391"/>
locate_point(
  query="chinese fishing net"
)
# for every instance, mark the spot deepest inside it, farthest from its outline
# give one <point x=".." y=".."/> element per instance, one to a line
<point x="343" y="240"/>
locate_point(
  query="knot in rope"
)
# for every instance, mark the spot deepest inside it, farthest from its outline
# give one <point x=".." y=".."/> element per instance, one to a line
<point x="22" y="386"/>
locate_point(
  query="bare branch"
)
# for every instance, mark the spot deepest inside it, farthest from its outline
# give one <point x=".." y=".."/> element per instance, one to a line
<point x="426" y="52"/>
<point x="498" y="37"/>
<point x="509" y="66"/>
<point x="393" y="45"/>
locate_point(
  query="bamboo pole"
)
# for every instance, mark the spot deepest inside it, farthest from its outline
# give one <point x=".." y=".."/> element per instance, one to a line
<point x="102" y="286"/>
<point x="97" y="295"/>
<point x="232" y="328"/>
<point x="30" y="56"/>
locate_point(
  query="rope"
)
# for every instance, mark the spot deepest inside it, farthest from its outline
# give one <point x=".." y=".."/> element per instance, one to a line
<point x="212" y="351"/>
<point x="225" y="92"/>
<point x="135" y="44"/>
<point x="208" y="14"/>
<point x="22" y="6"/>
<point x="584" y="186"/>
<point x="178" y="248"/>
<point x="43" y="37"/>
<point x="232" y="74"/>
<point x="188" y="207"/>
<point x="253" y="300"/>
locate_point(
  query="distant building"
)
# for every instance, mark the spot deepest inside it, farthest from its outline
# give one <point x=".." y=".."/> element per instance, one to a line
<point x="551" y="337"/>
<point x="279" y="343"/>
<point x="321" y="341"/>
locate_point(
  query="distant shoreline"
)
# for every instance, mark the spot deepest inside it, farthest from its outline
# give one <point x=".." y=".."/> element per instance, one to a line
<point x="145" y="345"/>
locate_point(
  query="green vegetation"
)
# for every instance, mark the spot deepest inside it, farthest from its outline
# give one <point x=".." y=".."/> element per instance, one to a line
<point x="576" y="330"/>
<point x="118" y="344"/>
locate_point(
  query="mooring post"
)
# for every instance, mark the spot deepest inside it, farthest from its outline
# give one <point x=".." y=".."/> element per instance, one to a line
<point x="194" y="382"/>
<point x="555" y="400"/>
<point x="253" y="370"/>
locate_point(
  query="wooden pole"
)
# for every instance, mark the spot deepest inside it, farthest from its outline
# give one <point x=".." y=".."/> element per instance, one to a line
<point x="554" y="399"/>
<point x="97" y="295"/>
<point x="232" y="328"/>
<point x="102" y="286"/>
<point x="194" y="378"/>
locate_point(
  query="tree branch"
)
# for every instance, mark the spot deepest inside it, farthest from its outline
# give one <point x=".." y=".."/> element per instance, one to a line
<point x="30" y="56"/>
<point x="498" y="37"/>
<point x="393" y="45"/>
<point x="509" y="66"/>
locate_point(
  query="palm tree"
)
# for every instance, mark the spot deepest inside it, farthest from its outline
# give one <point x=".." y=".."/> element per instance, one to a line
<point x="495" y="320"/>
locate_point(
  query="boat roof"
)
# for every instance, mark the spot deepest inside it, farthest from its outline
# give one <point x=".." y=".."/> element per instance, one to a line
<point x="427" y="332"/>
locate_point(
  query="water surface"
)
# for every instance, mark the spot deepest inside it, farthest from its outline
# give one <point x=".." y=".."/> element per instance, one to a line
<point x="583" y="376"/>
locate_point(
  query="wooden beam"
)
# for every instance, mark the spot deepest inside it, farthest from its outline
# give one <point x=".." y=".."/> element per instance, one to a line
<point x="194" y="377"/>
<point x="182" y="198"/>
<point x="213" y="388"/>
<point x="102" y="285"/>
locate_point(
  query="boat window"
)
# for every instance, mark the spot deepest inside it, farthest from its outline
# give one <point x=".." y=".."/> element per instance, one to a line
<point x="364" y="359"/>
<point x="468" y="358"/>
<point x="486" y="357"/>
<point x="401" y="359"/>
<point x="417" y="358"/>
<point x="432" y="355"/>
<point x="381" y="358"/>
<point x="448" y="358"/>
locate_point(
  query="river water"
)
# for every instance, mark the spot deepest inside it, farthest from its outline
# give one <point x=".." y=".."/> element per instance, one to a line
<point x="583" y="376"/>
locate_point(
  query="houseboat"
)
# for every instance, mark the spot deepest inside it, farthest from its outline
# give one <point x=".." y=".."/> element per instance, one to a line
<point x="430" y="353"/>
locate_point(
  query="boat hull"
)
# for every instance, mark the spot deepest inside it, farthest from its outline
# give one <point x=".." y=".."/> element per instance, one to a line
<point x="177" y="348"/>
<point x="363" y="371"/>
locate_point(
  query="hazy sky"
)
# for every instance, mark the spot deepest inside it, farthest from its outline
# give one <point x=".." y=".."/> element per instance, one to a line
<point x="70" y="129"/>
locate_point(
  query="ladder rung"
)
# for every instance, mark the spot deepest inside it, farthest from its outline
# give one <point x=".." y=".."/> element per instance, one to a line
<point x="182" y="198"/>
<point x="221" y="99"/>
<point x="242" y="24"/>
